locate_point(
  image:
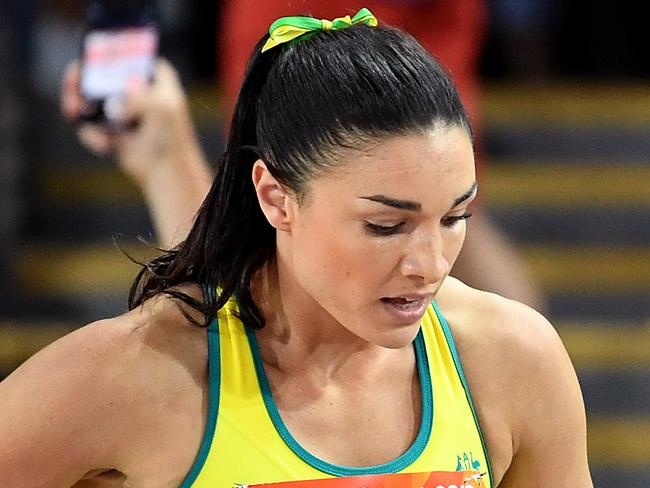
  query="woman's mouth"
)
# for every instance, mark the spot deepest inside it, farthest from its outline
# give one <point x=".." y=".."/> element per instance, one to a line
<point x="407" y="310"/>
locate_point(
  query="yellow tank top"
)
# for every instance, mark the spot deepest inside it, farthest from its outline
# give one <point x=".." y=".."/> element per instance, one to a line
<point x="246" y="443"/>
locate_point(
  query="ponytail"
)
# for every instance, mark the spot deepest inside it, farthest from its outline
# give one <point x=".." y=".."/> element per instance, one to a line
<point x="230" y="238"/>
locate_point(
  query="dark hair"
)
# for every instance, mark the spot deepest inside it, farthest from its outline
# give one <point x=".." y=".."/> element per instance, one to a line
<point x="299" y="104"/>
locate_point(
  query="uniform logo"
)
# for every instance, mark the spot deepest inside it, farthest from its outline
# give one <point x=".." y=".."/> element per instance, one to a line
<point x="466" y="462"/>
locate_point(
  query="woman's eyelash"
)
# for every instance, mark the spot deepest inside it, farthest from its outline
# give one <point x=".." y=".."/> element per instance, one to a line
<point x="383" y="230"/>
<point x="449" y="221"/>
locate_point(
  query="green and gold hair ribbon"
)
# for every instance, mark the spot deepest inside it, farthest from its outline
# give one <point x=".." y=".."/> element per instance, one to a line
<point x="286" y="29"/>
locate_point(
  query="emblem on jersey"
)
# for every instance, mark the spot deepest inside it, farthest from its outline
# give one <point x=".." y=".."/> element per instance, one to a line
<point x="437" y="479"/>
<point x="466" y="462"/>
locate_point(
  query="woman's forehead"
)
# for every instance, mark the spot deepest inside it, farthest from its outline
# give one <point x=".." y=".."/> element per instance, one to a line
<point x="430" y="168"/>
<point x="441" y="151"/>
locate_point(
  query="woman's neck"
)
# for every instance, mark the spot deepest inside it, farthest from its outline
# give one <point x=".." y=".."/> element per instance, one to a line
<point x="299" y="333"/>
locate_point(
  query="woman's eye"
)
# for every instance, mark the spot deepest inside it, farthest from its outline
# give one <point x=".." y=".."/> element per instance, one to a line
<point x="383" y="230"/>
<point x="451" y="221"/>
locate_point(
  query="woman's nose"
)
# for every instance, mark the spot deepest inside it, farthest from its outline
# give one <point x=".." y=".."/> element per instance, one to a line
<point x="425" y="259"/>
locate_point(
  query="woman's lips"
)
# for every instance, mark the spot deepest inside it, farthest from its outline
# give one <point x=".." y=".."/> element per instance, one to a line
<point x="406" y="310"/>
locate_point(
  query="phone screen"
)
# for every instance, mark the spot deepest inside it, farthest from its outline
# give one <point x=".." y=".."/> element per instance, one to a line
<point x="116" y="61"/>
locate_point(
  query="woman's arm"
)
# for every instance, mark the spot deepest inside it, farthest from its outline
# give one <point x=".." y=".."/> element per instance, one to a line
<point x="60" y="412"/>
<point x="524" y="388"/>
<point x="549" y="424"/>
<point x="161" y="155"/>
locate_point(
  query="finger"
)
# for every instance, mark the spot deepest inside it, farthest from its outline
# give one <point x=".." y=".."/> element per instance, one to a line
<point x="167" y="93"/>
<point x="164" y="98"/>
<point x="135" y="103"/>
<point x="165" y="70"/>
<point x="123" y="147"/>
<point x="95" y="139"/>
<point x="137" y="98"/>
<point x="167" y="79"/>
<point x="71" y="101"/>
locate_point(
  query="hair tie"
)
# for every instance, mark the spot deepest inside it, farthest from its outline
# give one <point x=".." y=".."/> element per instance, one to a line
<point x="287" y="29"/>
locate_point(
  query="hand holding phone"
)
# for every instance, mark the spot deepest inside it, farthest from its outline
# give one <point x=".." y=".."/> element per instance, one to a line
<point x="164" y="135"/>
<point x="161" y="155"/>
<point x="118" y="57"/>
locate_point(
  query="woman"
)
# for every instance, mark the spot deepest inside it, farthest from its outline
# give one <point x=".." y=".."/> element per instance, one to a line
<point x="335" y="216"/>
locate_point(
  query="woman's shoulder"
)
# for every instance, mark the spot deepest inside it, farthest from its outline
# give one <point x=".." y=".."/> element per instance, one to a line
<point x="101" y="385"/>
<point x="516" y="367"/>
<point x="501" y="340"/>
<point x="494" y="323"/>
<point x="156" y="332"/>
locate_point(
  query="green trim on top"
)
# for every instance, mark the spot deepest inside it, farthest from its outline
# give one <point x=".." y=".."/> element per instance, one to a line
<point x="459" y="368"/>
<point x="396" y="465"/>
<point x="214" y="379"/>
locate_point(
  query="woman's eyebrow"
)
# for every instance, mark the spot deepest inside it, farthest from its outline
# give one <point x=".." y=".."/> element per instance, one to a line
<point x="415" y="206"/>
<point x="395" y="203"/>
<point x="465" y="195"/>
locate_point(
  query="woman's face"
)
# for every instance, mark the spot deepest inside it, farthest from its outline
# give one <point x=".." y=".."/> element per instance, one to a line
<point x="375" y="238"/>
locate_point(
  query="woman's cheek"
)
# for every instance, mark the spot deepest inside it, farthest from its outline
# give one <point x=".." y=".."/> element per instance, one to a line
<point x="455" y="244"/>
<point x="377" y="258"/>
<point x="332" y="250"/>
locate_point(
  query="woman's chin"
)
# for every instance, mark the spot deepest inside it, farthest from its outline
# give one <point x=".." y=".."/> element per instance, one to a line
<point x="396" y="338"/>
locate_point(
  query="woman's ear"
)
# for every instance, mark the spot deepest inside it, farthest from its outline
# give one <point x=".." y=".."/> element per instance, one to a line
<point x="272" y="196"/>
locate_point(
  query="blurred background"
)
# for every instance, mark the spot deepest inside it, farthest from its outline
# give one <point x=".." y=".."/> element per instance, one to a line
<point x="565" y="141"/>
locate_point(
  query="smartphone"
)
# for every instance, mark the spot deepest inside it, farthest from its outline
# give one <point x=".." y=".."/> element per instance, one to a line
<point x="119" y="53"/>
